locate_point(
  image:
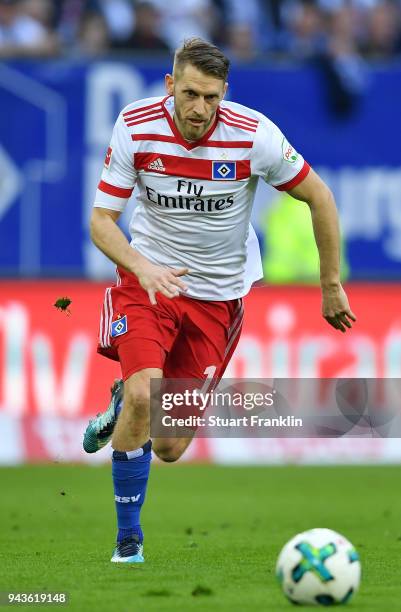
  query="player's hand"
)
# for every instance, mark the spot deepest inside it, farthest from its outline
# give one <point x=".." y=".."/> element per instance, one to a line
<point x="155" y="278"/>
<point x="336" y="309"/>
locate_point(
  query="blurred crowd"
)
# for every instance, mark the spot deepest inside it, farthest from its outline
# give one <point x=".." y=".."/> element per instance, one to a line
<point x="246" y="29"/>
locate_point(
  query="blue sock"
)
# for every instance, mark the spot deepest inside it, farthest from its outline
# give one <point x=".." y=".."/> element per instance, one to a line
<point x="130" y="478"/>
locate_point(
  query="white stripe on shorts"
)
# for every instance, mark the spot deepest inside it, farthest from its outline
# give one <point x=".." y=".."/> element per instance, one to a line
<point x="101" y="326"/>
<point x="106" y="318"/>
<point x="233" y="337"/>
<point x="238" y="315"/>
<point x="235" y="328"/>
<point x="108" y="329"/>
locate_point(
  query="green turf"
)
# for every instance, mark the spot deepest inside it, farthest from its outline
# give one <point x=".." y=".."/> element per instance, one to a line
<point x="212" y="534"/>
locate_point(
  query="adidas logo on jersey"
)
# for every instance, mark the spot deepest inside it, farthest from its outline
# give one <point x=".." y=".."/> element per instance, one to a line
<point x="157" y="164"/>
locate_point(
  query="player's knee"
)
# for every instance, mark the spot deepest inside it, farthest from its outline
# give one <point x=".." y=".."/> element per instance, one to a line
<point x="168" y="454"/>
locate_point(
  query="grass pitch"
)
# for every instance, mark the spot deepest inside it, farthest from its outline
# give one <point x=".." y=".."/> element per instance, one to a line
<point x="212" y="534"/>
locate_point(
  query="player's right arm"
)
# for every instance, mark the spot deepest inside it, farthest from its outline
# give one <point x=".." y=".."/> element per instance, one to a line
<point x="108" y="237"/>
<point x="114" y="190"/>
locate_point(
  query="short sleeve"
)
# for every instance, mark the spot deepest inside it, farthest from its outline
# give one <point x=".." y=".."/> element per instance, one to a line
<point x="118" y="176"/>
<point x="275" y="159"/>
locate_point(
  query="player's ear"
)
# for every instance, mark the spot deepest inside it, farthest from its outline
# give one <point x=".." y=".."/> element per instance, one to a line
<point x="225" y="89"/>
<point x="169" y="82"/>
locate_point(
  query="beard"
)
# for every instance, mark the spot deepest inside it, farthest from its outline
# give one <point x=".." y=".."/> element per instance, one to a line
<point x="189" y="130"/>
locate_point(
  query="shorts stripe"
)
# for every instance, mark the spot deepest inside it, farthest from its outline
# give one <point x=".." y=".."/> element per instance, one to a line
<point x="233" y="336"/>
<point x="110" y="318"/>
<point x="238" y="315"/>
<point x="101" y="326"/>
<point x="106" y="318"/>
<point x="235" y="327"/>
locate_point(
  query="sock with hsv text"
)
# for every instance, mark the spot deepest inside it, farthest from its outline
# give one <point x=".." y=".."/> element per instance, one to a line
<point x="130" y="478"/>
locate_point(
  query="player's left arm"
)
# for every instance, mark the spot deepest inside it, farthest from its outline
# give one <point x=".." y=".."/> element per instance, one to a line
<point x="335" y="307"/>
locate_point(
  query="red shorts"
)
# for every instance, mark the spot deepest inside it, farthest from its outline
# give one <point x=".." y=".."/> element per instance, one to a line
<point x="184" y="337"/>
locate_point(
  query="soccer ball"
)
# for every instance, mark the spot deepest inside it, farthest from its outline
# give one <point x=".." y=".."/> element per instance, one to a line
<point x="319" y="566"/>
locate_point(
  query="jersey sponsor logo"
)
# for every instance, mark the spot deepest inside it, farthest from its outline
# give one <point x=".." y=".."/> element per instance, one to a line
<point x="107" y="159"/>
<point x="224" y="171"/>
<point x="192" y="203"/>
<point x="289" y="153"/>
<point x="157" y="165"/>
<point x="126" y="500"/>
<point x="119" y="327"/>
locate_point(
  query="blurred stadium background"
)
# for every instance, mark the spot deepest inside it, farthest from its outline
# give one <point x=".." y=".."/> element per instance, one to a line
<point x="328" y="72"/>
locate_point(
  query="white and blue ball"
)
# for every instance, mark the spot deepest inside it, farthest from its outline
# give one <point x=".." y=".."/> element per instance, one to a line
<point x="319" y="567"/>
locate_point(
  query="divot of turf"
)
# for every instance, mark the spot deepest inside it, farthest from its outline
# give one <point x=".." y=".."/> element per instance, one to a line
<point x="201" y="590"/>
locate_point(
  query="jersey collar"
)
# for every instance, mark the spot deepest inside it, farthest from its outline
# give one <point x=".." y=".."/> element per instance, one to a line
<point x="179" y="137"/>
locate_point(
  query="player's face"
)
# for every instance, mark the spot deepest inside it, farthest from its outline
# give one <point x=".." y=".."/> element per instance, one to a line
<point x="196" y="98"/>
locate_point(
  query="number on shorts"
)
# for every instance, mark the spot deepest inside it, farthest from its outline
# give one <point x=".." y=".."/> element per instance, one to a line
<point x="210" y="372"/>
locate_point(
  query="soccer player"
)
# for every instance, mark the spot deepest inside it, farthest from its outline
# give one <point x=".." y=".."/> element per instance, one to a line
<point x="176" y="308"/>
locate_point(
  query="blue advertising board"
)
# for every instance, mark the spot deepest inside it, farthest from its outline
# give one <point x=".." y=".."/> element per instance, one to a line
<point x="56" y="121"/>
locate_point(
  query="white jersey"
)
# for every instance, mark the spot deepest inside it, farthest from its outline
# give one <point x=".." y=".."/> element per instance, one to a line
<point x="195" y="198"/>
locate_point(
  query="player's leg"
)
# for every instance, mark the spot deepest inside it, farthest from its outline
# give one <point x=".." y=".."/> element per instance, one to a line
<point x="201" y="352"/>
<point x="131" y="437"/>
<point x="132" y="428"/>
<point x="138" y="335"/>
<point x="131" y="463"/>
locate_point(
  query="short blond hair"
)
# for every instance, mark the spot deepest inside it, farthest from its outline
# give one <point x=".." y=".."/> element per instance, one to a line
<point x="204" y="56"/>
